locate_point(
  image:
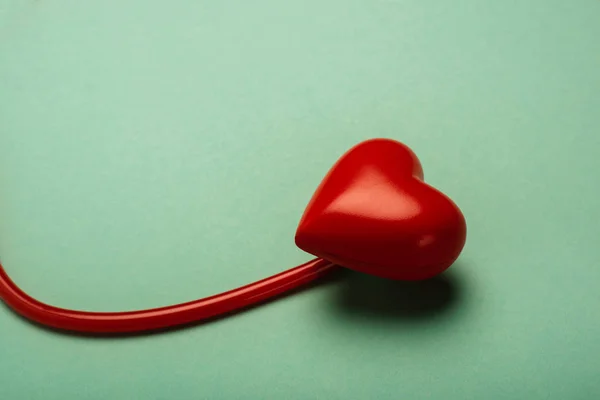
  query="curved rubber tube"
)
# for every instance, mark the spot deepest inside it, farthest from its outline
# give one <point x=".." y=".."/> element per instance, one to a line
<point x="158" y="318"/>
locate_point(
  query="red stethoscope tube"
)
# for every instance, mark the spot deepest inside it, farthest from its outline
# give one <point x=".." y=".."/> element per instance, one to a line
<point x="158" y="318"/>
<point x="372" y="213"/>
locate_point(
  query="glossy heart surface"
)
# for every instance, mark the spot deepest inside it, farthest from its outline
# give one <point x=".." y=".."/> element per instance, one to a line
<point x="374" y="213"/>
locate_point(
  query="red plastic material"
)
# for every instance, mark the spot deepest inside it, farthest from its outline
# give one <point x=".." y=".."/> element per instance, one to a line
<point x="372" y="213"/>
<point x="159" y="318"/>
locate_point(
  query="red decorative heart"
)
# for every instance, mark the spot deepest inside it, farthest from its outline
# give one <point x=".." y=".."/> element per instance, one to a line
<point x="374" y="213"/>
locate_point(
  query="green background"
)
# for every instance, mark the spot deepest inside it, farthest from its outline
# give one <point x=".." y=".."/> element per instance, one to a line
<point x="157" y="152"/>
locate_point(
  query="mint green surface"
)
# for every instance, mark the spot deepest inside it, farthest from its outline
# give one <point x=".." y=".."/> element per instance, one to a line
<point x="157" y="152"/>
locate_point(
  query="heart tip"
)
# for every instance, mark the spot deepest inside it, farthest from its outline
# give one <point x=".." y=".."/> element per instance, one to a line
<point x="305" y="240"/>
<point x="301" y="240"/>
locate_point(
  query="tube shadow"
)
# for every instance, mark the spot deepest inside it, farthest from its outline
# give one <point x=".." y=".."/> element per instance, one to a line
<point x="354" y="294"/>
<point x="332" y="278"/>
